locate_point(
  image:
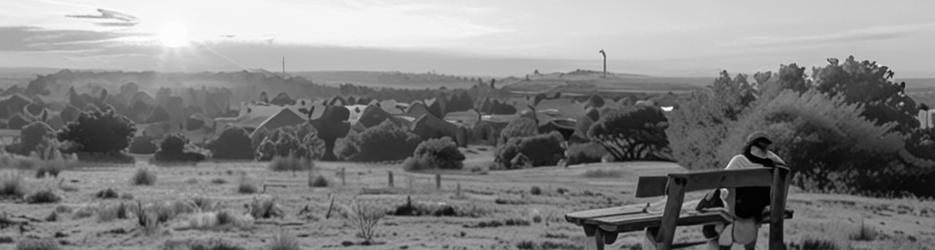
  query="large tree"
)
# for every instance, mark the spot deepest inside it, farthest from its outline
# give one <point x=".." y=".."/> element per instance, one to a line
<point x="99" y="132"/>
<point x="635" y="132"/>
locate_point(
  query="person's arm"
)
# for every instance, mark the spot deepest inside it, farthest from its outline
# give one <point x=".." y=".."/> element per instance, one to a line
<point x="726" y="196"/>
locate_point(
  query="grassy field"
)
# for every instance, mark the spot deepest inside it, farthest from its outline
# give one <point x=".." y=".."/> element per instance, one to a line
<point x="520" y="209"/>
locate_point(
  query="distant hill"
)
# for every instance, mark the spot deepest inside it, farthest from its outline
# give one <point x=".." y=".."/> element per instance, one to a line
<point x="21" y="76"/>
<point x="585" y="81"/>
<point x="391" y="79"/>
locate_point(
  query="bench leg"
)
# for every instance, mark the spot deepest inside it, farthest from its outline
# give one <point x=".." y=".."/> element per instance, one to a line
<point x="649" y="239"/>
<point x="595" y="240"/>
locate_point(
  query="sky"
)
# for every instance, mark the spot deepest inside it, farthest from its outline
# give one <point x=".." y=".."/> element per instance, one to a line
<point x="466" y="37"/>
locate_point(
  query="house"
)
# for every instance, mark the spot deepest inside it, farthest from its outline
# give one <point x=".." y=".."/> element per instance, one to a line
<point x="286" y="117"/>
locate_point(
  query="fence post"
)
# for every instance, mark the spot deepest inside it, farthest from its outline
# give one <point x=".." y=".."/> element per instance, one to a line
<point x="458" y="190"/>
<point x="343" y="180"/>
<point x="389" y="178"/>
<point x="438" y="181"/>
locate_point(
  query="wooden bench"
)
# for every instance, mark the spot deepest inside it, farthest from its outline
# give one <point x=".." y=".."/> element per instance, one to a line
<point x="603" y="225"/>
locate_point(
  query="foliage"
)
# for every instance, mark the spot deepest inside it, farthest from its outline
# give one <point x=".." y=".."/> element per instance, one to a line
<point x="32" y="135"/>
<point x="246" y="186"/>
<point x="317" y="180"/>
<point x="37" y="244"/>
<point x="290" y="163"/>
<point x="44" y="195"/>
<point x="871" y="85"/>
<point x="520" y="127"/>
<point x="144" y="176"/>
<point x="584" y="153"/>
<point x="824" y="140"/>
<point x="365" y="217"/>
<point x="233" y="143"/>
<point x="384" y="142"/>
<point x="12" y="185"/>
<point x="440" y="153"/>
<point x="143" y="145"/>
<point x="99" y="132"/>
<point x="300" y="141"/>
<point x="172" y="148"/>
<point x="632" y="133"/>
<point x="539" y="150"/>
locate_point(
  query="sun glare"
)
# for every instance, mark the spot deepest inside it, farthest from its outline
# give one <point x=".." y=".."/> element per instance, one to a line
<point x="174" y="35"/>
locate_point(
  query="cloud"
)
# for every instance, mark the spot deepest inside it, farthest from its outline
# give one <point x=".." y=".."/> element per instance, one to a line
<point x="864" y="34"/>
<point x="25" y="38"/>
<point x="111" y="17"/>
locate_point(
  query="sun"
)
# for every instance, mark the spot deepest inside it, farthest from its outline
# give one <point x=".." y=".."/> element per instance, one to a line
<point x="174" y="35"/>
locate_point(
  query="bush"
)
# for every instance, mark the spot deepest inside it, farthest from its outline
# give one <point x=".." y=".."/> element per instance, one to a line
<point x="584" y="153"/>
<point x="107" y="194"/>
<point x="301" y="141"/>
<point x="384" y="142"/>
<point x="110" y="213"/>
<point x="45" y="195"/>
<point x="99" y="132"/>
<point x="214" y="244"/>
<point x="144" y="176"/>
<point x="234" y="144"/>
<point x="108" y="157"/>
<point x="37" y="244"/>
<point x="435" y="154"/>
<point x="284" y="241"/>
<point x="365" y="217"/>
<point x="172" y="149"/>
<point x="246" y="186"/>
<point x="538" y="150"/>
<point x="290" y="163"/>
<point x="143" y="145"/>
<point x="318" y="181"/>
<point x="12" y="185"/>
<point x="521" y="127"/>
<point x="535" y="190"/>
<point x="32" y="135"/>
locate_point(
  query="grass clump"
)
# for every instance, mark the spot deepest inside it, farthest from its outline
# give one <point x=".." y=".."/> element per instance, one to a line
<point x="283" y="241"/>
<point x="12" y="185"/>
<point x="810" y="243"/>
<point x="144" y="177"/>
<point x="535" y="190"/>
<point x="864" y="233"/>
<point x="45" y="195"/>
<point x="603" y="173"/>
<point x="214" y="244"/>
<point x="108" y="214"/>
<point x="290" y="163"/>
<point x="218" y="181"/>
<point x="246" y="186"/>
<point x="264" y="208"/>
<point x="318" y="181"/>
<point x="37" y="244"/>
<point x="365" y="217"/>
<point x="108" y="193"/>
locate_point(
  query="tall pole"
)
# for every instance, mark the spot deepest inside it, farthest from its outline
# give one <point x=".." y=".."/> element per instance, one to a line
<point x="605" y="61"/>
<point x="284" y="66"/>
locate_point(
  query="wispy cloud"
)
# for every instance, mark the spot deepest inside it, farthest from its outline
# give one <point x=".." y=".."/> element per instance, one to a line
<point x="855" y="35"/>
<point x="25" y="38"/>
<point x="110" y="18"/>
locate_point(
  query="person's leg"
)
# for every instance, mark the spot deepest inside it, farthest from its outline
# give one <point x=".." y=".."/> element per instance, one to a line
<point x="714" y="245"/>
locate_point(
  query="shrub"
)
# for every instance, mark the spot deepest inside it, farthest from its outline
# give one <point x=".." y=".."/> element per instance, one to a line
<point x="143" y="145"/>
<point x="214" y="244"/>
<point x="37" y="244"/>
<point x="264" y="208"/>
<point x="810" y="243"/>
<point x="45" y="195"/>
<point x="234" y="144"/>
<point x="602" y="173"/>
<point x="864" y="233"/>
<point x="584" y="153"/>
<point x="32" y="135"/>
<point x="144" y="176"/>
<point x="172" y="149"/>
<point x="435" y="154"/>
<point x="318" y="181"/>
<point x="384" y="142"/>
<point x="99" y="132"/>
<point x="538" y="150"/>
<point x="284" y="241"/>
<point x="290" y="163"/>
<point x="108" y="157"/>
<point x="218" y="181"/>
<point x="110" y="213"/>
<point x="365" y="218"/>
<point x="535" y="190"/>
<point x="521" y="127"/>
<point x="107" y="194"/>
<point x="246" y="186"/>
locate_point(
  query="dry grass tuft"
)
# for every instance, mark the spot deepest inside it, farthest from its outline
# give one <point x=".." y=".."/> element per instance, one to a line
<point x="144" y="176"/>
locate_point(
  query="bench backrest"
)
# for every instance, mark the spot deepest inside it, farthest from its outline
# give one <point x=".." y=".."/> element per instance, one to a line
<point x="675" y="185"/>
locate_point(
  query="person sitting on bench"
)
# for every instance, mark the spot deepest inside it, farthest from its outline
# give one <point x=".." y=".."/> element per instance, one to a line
<point x="745" y="204"/>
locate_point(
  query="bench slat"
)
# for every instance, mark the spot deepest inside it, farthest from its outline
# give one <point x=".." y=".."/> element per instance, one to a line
<point x="651" y="186"/>
<point x="580" y="216"/>
<point x="637" y="222"/>
<point x="703" y="180"/>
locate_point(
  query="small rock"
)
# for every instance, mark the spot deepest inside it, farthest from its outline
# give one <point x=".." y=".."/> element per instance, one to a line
<point x="60" y="235"/>
<point x="347" y="243"/>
